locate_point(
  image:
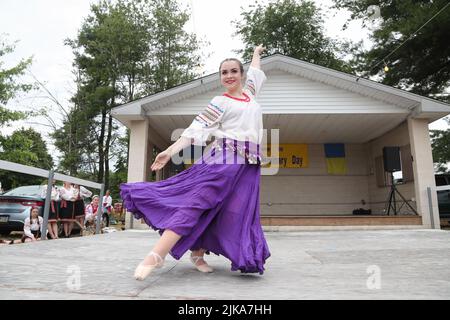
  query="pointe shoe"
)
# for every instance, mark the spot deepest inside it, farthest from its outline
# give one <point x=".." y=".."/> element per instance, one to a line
<point x="203" y="267"/>
<point x="143" y="270"/>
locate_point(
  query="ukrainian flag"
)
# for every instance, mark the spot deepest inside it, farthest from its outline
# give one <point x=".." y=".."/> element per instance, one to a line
<point x="335" y="156"/>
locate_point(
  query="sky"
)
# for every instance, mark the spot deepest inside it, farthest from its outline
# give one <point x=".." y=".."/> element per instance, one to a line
<point x="40" y="27"/>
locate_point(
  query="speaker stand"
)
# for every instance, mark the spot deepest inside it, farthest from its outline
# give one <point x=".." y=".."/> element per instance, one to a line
<point x="392" y="203"/>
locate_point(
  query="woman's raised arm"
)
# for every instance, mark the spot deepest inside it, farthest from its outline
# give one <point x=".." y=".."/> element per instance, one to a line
<point x="257" y="56"/>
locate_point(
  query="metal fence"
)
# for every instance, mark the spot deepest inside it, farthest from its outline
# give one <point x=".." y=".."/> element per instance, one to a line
<point x="51" y="175"/>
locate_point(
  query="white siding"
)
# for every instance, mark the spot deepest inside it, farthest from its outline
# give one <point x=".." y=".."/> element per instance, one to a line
<point x="287" y="93"/>
<point x="312" y="191"/>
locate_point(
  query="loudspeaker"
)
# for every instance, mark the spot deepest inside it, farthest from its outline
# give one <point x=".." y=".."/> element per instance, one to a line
<point x="391" y="159"/>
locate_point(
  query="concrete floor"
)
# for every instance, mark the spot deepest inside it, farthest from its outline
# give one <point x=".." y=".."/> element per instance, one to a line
<point x="351" y="264"/>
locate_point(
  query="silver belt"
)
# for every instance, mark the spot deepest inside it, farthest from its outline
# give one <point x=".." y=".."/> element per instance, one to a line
<point x="252" y="157"/>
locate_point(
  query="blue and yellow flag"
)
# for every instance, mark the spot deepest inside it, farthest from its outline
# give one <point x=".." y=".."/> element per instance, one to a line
<point x="335" y="156"/>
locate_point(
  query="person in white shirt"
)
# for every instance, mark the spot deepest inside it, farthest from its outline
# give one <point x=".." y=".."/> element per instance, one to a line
<point x="80" y="193"/>
<point x="67" y="212"/>
<point x="106" y="206"/>
<point x="32" y="228"/>
<point x="228" y="193"/>
<point x="53" y="215"/>
<point x="231" y="117"/>
<point x="92" y="210"/>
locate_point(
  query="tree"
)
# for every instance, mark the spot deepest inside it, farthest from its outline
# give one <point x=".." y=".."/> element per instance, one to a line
<point x="6" y="116"/>
<point x="110" y="49"/>
<point x="24" y="146"/>
<point x="72" y="140"/>
<point x="173" y="51"/>
<point x="293" y="28"/>
<point x="10" y="87"/>
<point x="418" y="62"/>
<point x="124" y="50"/>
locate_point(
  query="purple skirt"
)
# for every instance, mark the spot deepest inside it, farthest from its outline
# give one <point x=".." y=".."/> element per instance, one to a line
<point x="214" y="205"/>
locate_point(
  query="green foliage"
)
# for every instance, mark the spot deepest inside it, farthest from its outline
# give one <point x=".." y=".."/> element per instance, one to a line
<point x="6" y="116"/>
<point x="24" y="146"/>
<point x="293" y="28"/>
<point x="10" y="87"/>
<point x="124" y="50"/>
<point x="419" y="65"/>
<point x="70" y="139"/>
<point x="174" y="53"/>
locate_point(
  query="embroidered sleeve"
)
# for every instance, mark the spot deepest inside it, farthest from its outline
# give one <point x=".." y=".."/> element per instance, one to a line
<point x="85" y="193"/>
<point x="255" y="80"/>
<point x="55" y="194"/>
<point x="88" y="210"/>
<point x="65" y="194"/>
<point x="206" y="122"/>
<point x="43" y="191"/>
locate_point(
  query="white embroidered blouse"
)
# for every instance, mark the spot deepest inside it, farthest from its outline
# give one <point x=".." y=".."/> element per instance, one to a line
<point x="54" y="195"/>
<point x="82" y="193"/>
<point x="90" y="210"/>
<point x="72" y="193"/>
<point x="231" y="117"/>
<point x="32" y="225"/>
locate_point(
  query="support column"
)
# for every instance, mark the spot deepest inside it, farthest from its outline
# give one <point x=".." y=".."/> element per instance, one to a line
<point x="138" y="159"/>
<point x="149" y="160"/>
<point x="423" y="171"/>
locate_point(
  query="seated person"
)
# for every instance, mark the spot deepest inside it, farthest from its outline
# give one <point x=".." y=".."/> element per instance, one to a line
<point x="91" y="211"/>
<point x="32" y="228"/>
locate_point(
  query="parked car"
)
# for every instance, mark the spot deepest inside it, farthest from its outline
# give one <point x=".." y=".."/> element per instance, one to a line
<point x="443" y="195"/>
<point x="442" y="179"/>
<point x="15" y="207"/>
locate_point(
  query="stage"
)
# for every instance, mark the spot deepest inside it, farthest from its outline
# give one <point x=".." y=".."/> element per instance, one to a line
<point x="355" y="264"/>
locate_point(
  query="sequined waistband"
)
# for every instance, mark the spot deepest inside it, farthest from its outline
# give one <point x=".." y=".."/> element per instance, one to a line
<point x="247" y="149"/>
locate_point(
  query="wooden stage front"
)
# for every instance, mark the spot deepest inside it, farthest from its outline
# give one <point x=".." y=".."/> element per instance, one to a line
<point x="353" y="220"/>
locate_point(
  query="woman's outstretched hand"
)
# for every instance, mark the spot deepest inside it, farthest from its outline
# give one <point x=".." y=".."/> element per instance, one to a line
<point x="259" y="49"/>
<point x="161" y="159"/>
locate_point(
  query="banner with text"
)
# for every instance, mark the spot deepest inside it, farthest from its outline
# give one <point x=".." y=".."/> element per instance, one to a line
<point x="290" y="155"/>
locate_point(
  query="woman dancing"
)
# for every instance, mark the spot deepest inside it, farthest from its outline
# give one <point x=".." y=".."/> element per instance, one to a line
<point x="213" y="206"/>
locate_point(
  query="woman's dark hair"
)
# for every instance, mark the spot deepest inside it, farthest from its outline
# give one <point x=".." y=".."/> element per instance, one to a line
<point x="31" y="215"/>
<point x="241" y="67"/>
